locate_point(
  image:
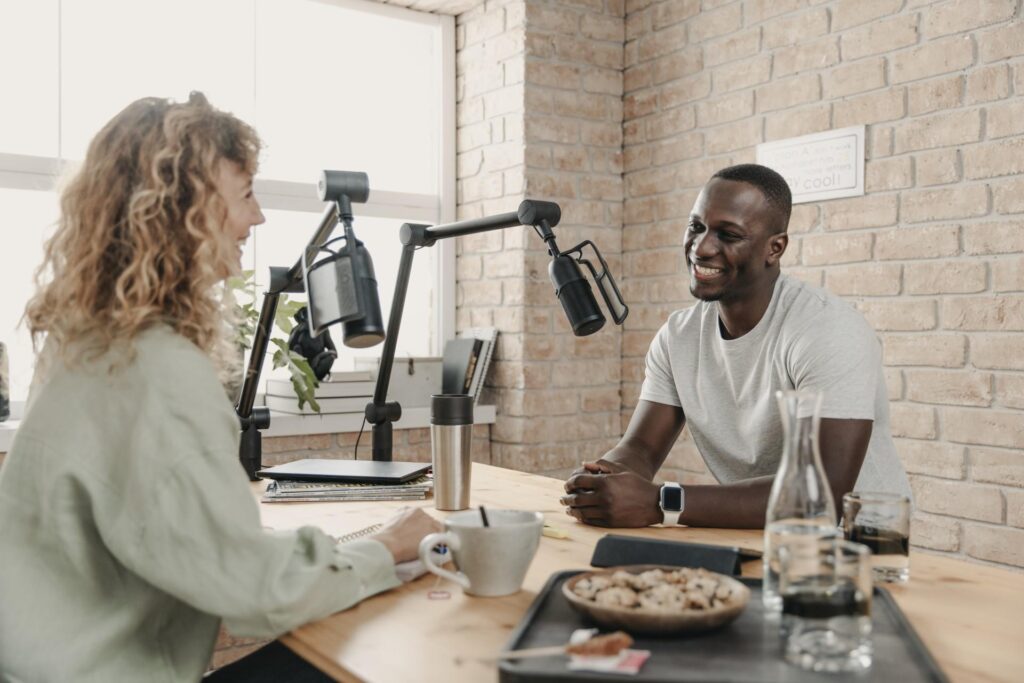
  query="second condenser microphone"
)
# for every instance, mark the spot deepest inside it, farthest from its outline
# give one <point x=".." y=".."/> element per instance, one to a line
<point x="368" y="330"/>
<point x="574" y="293"/>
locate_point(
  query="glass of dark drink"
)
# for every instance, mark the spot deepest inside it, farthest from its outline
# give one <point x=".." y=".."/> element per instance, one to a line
<point x="826" y="588"/>
<point x="881" y="521"/>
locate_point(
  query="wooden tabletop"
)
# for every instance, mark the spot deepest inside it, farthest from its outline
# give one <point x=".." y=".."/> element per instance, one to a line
<point x="970" y="616"/>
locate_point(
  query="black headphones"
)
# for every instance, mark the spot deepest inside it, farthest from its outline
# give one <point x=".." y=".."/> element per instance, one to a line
<point x="319" y="351"/>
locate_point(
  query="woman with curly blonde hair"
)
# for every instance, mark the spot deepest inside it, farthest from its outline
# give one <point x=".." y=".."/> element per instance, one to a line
<point x="128" y="528"/>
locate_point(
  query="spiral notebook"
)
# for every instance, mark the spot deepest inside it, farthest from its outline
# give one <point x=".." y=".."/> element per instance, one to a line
<point x="288" y="491"/>
<point x="405" y="571"/>
<point x="362" y="533"/>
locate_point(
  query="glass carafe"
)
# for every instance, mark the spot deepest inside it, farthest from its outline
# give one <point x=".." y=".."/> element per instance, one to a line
<point x="800" y="508"/>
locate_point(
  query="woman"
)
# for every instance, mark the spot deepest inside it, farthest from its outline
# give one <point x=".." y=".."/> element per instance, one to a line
<point x="127" y="526"/>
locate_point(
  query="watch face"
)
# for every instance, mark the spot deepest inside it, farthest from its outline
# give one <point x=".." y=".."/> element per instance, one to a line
<point x="671" y="498"/>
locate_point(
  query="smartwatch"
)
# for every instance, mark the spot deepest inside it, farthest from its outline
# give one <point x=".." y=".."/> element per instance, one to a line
<point x="672" y="502"/>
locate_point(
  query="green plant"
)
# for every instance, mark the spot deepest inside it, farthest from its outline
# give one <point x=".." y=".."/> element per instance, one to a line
<point x="304" y="382"/>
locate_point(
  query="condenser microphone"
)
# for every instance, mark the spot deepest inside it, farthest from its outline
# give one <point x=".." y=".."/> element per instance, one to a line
<point x="368" y="330"/>
<point x="343" y="286"/>
<point x="343" y="289"/>
<point x="571" y="287"/>
<point x="574" y="293"/>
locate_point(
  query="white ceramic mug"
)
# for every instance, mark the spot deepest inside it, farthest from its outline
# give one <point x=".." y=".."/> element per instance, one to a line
<point x="492" y="560"/>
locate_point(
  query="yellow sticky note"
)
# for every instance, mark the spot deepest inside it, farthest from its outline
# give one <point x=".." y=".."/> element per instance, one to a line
<point x="554" y="532"/>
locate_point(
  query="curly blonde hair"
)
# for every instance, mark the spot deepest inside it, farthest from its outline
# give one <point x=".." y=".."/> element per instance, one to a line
<point x="141" y="237"/>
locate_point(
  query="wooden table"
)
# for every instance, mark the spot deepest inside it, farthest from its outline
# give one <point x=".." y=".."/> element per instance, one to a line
<point x="970" y="616"/>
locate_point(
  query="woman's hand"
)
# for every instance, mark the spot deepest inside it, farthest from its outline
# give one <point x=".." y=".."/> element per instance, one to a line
<point x="402" y="534"/>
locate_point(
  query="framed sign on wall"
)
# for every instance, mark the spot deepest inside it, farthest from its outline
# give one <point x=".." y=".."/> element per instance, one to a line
<point x="821" y="166"/>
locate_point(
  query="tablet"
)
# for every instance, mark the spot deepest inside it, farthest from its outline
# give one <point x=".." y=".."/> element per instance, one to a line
<point x="612" y="550"/>
<point x="364" y="471"/>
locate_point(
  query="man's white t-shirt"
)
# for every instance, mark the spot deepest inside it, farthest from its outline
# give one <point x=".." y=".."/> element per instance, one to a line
<point x="807" y="339"/>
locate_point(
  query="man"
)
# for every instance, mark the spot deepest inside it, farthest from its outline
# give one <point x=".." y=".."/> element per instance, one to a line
<point x="717" y="365"/>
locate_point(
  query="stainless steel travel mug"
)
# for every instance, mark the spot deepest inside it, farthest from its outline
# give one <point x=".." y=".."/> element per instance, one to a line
<point x="451" y="435"/>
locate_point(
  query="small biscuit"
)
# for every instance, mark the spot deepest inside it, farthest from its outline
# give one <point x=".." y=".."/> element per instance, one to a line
<point x="589" y="587"/>
<point x="697" y="600"/>
<point x="617" y="596"/>
<point x="665" y="597"/>
<point x="649" y="579"/>
<point x="623" y="578"/>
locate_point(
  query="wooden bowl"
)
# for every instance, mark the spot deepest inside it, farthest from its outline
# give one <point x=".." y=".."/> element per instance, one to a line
<point x="657" y="622"/>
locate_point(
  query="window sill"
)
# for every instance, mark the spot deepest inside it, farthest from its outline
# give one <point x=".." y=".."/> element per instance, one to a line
<point x="282" y="424"/>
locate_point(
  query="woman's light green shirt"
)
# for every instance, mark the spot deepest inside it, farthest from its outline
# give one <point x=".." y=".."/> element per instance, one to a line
<point x="128" y="530"/>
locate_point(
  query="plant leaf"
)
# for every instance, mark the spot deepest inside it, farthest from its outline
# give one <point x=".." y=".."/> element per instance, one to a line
<point x="303" y="379"/>
<point x="286" y="311"/>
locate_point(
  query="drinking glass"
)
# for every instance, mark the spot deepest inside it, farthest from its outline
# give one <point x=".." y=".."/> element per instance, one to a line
<point x="826" y="605"/>
<point x="881" y="521"/>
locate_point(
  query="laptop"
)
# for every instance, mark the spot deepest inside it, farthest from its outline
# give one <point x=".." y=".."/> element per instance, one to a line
<point x="361" y="471"/>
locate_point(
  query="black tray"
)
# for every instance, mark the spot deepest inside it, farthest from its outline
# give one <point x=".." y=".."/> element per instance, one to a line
<point x="745" y="651"/>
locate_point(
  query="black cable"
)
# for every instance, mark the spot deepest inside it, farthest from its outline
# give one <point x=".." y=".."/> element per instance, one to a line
<point x="355" y="456"/>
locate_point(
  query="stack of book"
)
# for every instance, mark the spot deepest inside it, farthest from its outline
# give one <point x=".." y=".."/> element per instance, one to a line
<point x="340" y="392"/>
<point x="289" y="491"/>
<point x="462" y="370"/>
<point x="466" y="361"/>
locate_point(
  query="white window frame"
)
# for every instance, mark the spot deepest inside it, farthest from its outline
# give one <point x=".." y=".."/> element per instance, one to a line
<point x="26" y="172"/>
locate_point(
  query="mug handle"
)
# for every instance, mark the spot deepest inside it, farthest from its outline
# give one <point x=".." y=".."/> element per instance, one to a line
<point x="426" y="556"/>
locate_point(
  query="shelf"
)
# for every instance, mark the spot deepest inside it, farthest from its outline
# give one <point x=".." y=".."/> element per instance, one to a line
<point x="283" y="424"/>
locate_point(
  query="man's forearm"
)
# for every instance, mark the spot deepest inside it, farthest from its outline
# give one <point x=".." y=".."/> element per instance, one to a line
<point x="741" y="505"/>
<point x="734" y="506"/>
<point x="633" y="457"/>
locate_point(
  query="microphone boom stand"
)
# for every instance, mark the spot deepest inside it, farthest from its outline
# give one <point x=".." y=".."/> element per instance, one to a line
<point x="253" y="419"/>
<point x="542" y="216"/>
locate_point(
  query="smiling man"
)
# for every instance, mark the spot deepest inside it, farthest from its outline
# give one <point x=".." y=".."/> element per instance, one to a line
<point x="717" y="365"/>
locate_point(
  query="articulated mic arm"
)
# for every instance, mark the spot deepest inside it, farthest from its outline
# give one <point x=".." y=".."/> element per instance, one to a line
<point x="571" y="287"/>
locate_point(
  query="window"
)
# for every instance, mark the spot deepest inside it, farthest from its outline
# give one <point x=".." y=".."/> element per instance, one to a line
<point x="341" y="84"/>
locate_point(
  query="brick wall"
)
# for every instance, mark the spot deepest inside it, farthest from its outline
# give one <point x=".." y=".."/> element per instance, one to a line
<point x="933" y="254"/>
<point x="540" y="114"/>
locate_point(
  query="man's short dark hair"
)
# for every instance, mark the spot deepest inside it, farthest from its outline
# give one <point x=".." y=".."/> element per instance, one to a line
<point x="772" y="185"/>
